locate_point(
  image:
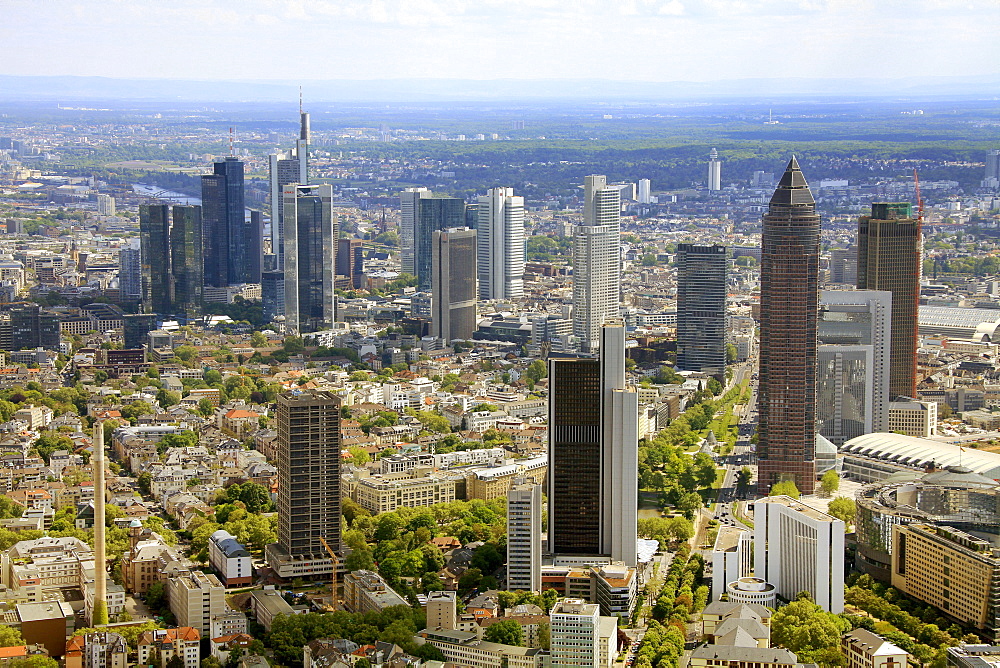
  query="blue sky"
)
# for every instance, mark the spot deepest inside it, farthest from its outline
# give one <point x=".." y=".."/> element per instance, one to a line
<point x="643" y="40"/>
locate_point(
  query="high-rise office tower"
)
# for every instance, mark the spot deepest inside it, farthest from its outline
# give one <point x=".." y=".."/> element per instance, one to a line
<point x="453" y="284"/>
<point x="154" y="238"/>
<point x="130" y="271"/>
<point x="409" y="209"/>
<point x="844" y="266"/>
<point x="255" y="247"/>
<point x="991" y="177"/>
<point x="644" y="192"/>
<point x="310" y="237"/>
<point x="789" y="296"/>
<point x="228" y="236"/>
<point x="714" y="171"/>
<point x="593" y="454"/>
<point x="308" y="454"/>
<point x="351" y="261"/>
<point x="433" y="213"/>
<point x="186" y="261"/>
<point x="596" y="261"/>
<point x="285" y="168"/>
<point x="701" y="309"/>
<point x="852" y="380"/>
<point x="524" y="535"/>
<point x="889" y="258"/>
<point x="500" y="227"/>
<point x="137" y="326"/>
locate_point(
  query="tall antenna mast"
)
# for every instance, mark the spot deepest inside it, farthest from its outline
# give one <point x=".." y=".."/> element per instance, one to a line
<point x="232" y="148"/>
<point x="300" y="99"/>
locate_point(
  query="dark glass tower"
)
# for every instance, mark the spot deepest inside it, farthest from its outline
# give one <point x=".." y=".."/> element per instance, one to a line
<point x="186" y="261"/>
<point x="701" y="309"/>
<point x="789" y="307"/>
<point x="228" y="236"/>
<point x="154" y="241"/>
<point x="310" y="238"/>
<point x="889" y="259"/>
<point x="433" y="213"/>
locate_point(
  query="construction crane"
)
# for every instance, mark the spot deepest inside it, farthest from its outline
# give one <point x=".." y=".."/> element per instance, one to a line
<point x="333" y="584"/>
<point x="920" y="200"/>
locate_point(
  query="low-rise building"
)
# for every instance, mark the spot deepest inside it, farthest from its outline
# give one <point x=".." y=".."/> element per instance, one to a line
<point x="366" y="591"/>
<point x="103" y="649"/>
<point x="466" y="649"/>
<point x="164" y="644"/>
<point x="229" y="559"/>
<point x="266" y="604"/>
<point x="731" y="656"/>
<point x="864" y="649"/>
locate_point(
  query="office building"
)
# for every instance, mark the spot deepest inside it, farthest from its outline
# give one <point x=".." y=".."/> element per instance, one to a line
<point x="366" y="591"/>
<point x="524" y="535"/>
<point x="229" y="559"/>
<point x="228" y="237"/>
<point x="137" y="326"/>
<point x="593" y="454"/>
<point x="973" y="656"/>
<point x="852" y="380"/>
<point x="731" y="558"/>
<point x="500" y="227"/>
<point x="186" y="261"/>
<point x="195" y="597"/>
<point x="308" y="425"/>
<point x="574" y="629"/>
<point x="453" y="284"/>
<point x="433" y="214"/>
<point x="701" y="309"/>
<point x="913" y="418"/>
<point x="33" y="327"/>
<point x="351" y="261"/>
<point x="130" y="272"/>
<point x="889" y="258"/>
<point x="789" y="306"/>
<point x="798" y="548"/>
<point x="844" y="266"/>
<point x="953" y="570"/>
<point x="310" y="237"/>
<point x="991" y="177"/>
<point x="596" y="261"/>
<point x="272" y="293"/>
<point x="644" y="192"/>
<point x="409" y="209"/>
<point x="714" y="171"/>
<point x="105" y="205"/>
<point x="286" y="168"/>
<point x="154" y="236"/>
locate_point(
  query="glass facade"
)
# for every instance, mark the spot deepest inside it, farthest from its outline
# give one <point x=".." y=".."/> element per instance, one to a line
<point x="433" y="214"/>
<point x="154" y="237"/>
<point x="701" y="309"/>
<point x="229" y="241"/>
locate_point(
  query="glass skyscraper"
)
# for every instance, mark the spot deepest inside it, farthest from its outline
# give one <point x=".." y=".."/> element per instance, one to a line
<point x="310" y="256"/>
<point x="433" y="214"/>
<point x="701" y="309"/>
<point x="154" y="241"/>
<point x="228" y="238"/>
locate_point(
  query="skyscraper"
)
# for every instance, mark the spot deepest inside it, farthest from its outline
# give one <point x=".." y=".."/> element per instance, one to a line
<point x="991" y="177"/>
<point x="575" y="628"/>
<point x="501" y="245"/>
<point x="351" y="261"/>
<point x="285" y="168"/>
<point x="433" y="213"/>
<point x="701" y="309"/>
<point x="130" y="271"/>
<point x="154" y="238"/>
<point x="310" y="234"/>
<point x="852" y="381"/>
<point x="593" y="454"/>
<point x="596" y="261"/>
<point x="308" y="456"/>
<point x="409" y="209"/>
<point x="714" y="171"/>
<point x="524" y="535"/>
<point x="453" y="284"/>
<point x="644" y="193"/>
<point x="186" y="261"/>
<point x="789" y="295"/>
<point x="889" y="258"/>
<point x="228" y="236"/>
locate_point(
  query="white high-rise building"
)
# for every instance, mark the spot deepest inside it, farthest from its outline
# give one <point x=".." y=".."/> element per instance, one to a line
<point x="644" y="191"/>
<point x="501" y="244"/>
<point x="798" y="548"/>
<point x="574" y="634"/>
<point x="596" y="261"/>
<point x="524" y="536"/>
<point x="732" y="558"/>
<point x="287" y="167"/>
<point x="714" y="171"/>
<point x="105" y="205"/>
<point x="408" y="212"/>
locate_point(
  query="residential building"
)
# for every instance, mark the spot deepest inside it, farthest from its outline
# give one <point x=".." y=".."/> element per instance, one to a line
<point x="714" y="171"/>
<point x="953" y="570"/>
<point x="593" y="454"/>
<point x="308" y="483"/>
<point x="105" y="205"/>
<point x="309" y="243"/>
<point x="102" y="649"/>
<point x="195" y="598"/>
<point x="524" y="536"/>
<point x="500" y="230"/>
<point x="434" y="213"/>
<point x="229" y="559"/>
<point x="596" y="261"/>
<point x="453" y="284"/>
<point x="702" y="274"/>
<point x="161" y="645"/>
<point x="913" y="418"/>
<point x="890" y="258"/>
<point x="864" y="649"/>
<point x="366" y="591"/>
<point x="442" y="610"/>
<point x="575" y="634"/>
<point x="798" y="548"/>
<point x="789" y="306"/>
<point x="852" y="383"/>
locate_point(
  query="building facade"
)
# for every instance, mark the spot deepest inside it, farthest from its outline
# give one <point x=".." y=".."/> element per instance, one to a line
<point x="574" y="629"/>
<point x="789" y="296"/>
<point x="432" y="214"/>
<point x="714" y="171"/>
<point x="309" y="241"/>
<point x="228" y="240"/>
<point x="524" y="536"/>
<point x="596" y="261"/>
<point x="701" y="309"/>
<point x="500" y="244"/>
<point x="230" y="560"/>
<point x="453" y="284"/>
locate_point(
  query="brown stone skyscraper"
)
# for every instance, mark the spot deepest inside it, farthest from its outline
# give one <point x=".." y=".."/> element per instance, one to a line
<point x="889" y="258"/>
<point x="789" y="295"/>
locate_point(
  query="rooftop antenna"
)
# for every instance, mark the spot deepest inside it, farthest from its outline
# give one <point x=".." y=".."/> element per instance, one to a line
<point x="232" y="148"/>
<point x="300" y="99"/>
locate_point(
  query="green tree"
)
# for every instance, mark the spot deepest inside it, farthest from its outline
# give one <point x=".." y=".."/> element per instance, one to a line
<point x="507" y="632"/>
<point x="785" y="488"/>
<point x="843" y="508"/>
<point x="830" y="482"/>
<point x="10" y="637"/>
<point x="536" y="370"/>
<point x="731" y="353"/>
<point x="156" y="596"/>
<point x="812" y="633"/>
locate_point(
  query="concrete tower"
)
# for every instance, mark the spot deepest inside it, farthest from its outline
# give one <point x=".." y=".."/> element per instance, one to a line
<point x="453" y="284"/>
<point x="596" y="261"/>
<point x="501" y="245"/>
<point x="100" y="613"/>
<point x="524" y="535"/>
<point x="789" y="306"/>
<point x="714" y="171"/>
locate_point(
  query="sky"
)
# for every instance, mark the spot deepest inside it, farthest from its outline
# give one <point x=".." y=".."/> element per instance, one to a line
<point x="638" y="40"/>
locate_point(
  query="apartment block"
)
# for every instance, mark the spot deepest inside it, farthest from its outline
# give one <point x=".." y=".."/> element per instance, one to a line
<point x="366" y="591"/>
<point x="195" y="598"/>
